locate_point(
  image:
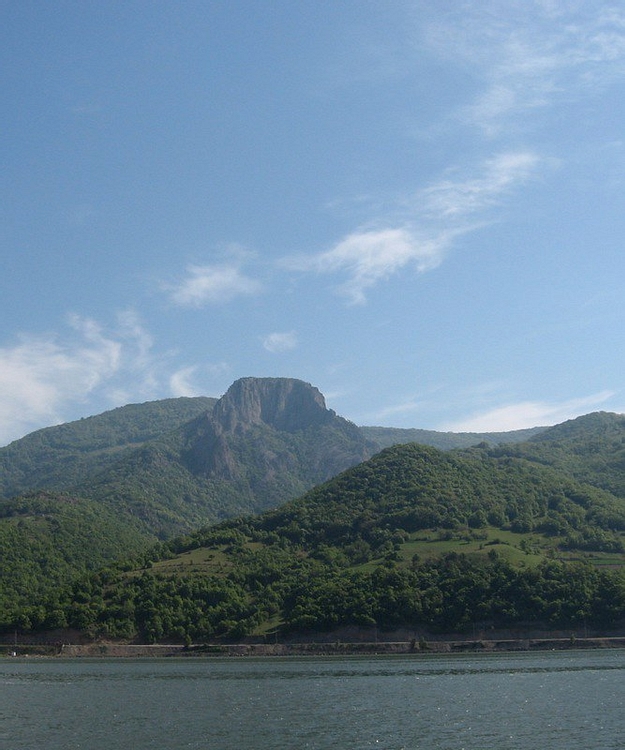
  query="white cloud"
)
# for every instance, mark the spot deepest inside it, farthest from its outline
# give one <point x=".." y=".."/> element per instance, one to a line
<point x="180" y="382"/>
<point x="528" y="414"/>
<point x="457" y="199"/>
<point x="435" y="217"/>
<point x="370" y="256"/>
<point x="43" y="377"/>
<point x="280" y="342"/>
<point x="183" y="382"/>
<point x="532" y="55"/>
<point x="212" y="284"/>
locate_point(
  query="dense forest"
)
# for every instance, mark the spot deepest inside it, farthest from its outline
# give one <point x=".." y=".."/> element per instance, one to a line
<point x="263" y="514"/>
<point x="412" y="538"/>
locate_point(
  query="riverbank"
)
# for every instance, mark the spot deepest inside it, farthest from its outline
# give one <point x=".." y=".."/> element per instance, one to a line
<point x="337" y="648"/>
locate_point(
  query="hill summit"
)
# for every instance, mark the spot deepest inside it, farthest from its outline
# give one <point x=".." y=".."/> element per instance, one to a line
<point x="285" y="404"/>
<point x="270" y="433"/>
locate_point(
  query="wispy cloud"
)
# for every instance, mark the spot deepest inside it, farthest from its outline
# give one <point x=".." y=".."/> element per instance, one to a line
<point x="522" y="57"/>
<point x="280" y="342"/>
<point x="527" y="414"/>
<point x="403" y="409"/>
<point x="532" y="55"/>
<point x="212" y="284"/>
<point x="42" y="377"/>
<point x="184" y="381"/>
<point x="453" y="200"/>
<point x="180" y="383"/>
<point x="368" y="257"/>
<point x="434" y="218"/>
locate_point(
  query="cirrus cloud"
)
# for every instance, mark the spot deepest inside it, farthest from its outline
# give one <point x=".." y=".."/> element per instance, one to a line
<point x="527" y="414"/>
<point x="280" y="342"/>
<point x="368" y="257"/>
<point x="434" y="218"/>
<point x="532" y="55"/>
<point x="453" y="200"/>
<point x="212" y="284"/>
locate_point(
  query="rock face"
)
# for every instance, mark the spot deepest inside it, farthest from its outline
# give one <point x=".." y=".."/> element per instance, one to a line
<point x="271" y="434"/>
<point x="168" y="467"/>
<point x="285" y="404"/>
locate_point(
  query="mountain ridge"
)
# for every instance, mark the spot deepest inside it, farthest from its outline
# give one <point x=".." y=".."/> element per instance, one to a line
<point x="193" y="461"/>
<point x="271" y="446"/>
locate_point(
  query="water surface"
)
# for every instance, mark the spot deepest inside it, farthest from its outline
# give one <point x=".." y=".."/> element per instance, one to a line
<point x="552" y="701"/>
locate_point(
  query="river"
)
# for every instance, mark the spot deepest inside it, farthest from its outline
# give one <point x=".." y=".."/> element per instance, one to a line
<point x="570" y="700"/>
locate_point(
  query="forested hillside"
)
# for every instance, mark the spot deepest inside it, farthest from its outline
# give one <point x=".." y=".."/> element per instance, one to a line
<point x="49" y="540"/>
<point x="413" y="537"/>
<point x="61" y="457"/>
<point x="590" y="448"/>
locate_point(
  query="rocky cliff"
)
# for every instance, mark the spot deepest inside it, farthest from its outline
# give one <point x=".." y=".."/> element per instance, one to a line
<point x="263" y="429"/>
<point x="284" y="404"/>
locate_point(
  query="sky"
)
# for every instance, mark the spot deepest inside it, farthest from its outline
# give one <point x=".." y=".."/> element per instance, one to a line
<point x="416" y="207"/>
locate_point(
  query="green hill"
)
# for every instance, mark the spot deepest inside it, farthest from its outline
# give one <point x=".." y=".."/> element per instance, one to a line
<point x="61" y="457"/>
<point x="414" y="537"/>
<point x="385" y="437"/>
<point x="590" y="448"/>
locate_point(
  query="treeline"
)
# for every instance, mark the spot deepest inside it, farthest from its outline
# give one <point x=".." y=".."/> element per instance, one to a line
<point x="452" y="594"/>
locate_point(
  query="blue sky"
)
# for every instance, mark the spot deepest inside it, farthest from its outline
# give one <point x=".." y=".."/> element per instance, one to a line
<point x="417" y="207"/>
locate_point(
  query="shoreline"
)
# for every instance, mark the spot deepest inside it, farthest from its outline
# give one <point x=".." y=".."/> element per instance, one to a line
<point x="336" y="648"/>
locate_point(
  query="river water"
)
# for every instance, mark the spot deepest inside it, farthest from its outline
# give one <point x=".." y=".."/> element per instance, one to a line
<point x="549" y="701"/>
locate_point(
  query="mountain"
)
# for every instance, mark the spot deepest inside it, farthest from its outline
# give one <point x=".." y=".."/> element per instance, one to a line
<point x="262" y="427"/>
<point x="590" y="448"/>
<point x="170" y="466"/>
<point x="385" y="437"/>
<point x="104" y="488"/>
<point x="60" y="457"/>
<point x="94" y="491"/>
<point x="266" y="441"/>
<point x="412" y="538"/>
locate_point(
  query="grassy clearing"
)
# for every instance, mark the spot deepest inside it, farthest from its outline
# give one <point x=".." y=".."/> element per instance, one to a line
<point x="519" y="549"/>
<point x="526" y="549"/>
<point x="212" y="561"/>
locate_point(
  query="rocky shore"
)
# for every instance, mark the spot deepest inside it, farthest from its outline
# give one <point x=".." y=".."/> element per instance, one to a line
<point x="337" y="648"/>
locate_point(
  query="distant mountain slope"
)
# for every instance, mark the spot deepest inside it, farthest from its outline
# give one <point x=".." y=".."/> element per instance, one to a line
<point x="62" y="456"/>
<point x="385" y="437"/>
<point x="266" y="441"/>
<point x="590" y="448"/>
